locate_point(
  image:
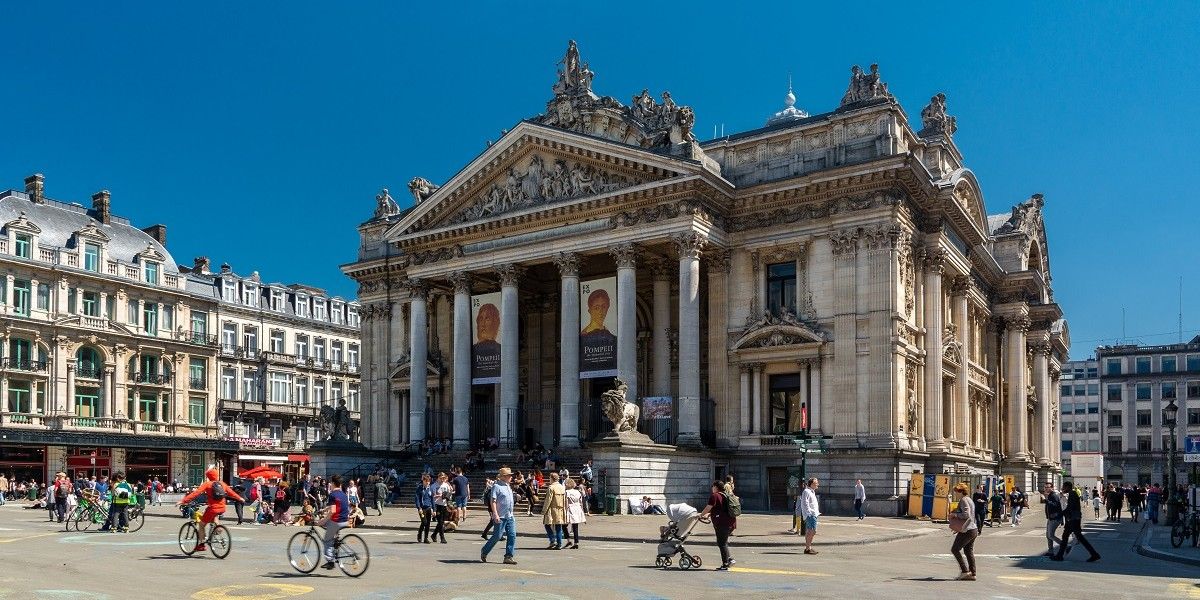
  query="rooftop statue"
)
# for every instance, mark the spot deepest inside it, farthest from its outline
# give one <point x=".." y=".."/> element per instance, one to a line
<point x="934" y="118"/>
<point x="385" y="206"/>
<point x="865" y="86"/>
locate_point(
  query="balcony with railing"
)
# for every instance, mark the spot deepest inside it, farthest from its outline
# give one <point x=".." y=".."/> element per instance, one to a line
<point x="151" y="378"/>
<point x="88" y="370"/>
<point x="197" y="383"/>
<point x="198" y="338"/>
<point x="24" y="364"/>
<point x="258" y="407"/>
<point x="91" y="322"/>
<point x="18" y="419"/>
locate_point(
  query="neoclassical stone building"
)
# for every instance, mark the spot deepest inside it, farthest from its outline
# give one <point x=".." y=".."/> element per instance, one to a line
<point x="834" y="275"/>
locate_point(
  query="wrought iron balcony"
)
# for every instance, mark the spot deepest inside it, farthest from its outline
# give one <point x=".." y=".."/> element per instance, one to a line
<point x="24" y="364"/>
<point x="152" y="378"/>
<point x="197" y="383"/>
<point x="198" y="338"/>
<point x="88" y="370"/>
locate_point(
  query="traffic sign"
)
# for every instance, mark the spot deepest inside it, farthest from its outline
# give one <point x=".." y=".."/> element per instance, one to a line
<point x="1191" y="449"/>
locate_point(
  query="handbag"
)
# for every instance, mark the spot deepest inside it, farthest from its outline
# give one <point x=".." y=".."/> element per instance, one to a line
<point x="957" y="524"/>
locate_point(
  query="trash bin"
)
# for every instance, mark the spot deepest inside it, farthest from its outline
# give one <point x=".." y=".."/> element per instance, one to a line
<point x="610" y="505"/>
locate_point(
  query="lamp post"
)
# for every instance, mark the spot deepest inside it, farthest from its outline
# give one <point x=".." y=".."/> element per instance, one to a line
<point x="1169" y="414"/>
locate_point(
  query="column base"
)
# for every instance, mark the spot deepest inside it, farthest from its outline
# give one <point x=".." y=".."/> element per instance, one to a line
<point x="938" y="445"/>
<point x="686" y="440"/>
<point x="568" y="442"/>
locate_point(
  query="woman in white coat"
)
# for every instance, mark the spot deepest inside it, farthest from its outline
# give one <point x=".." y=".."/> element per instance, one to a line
<point x="576" y="513"/>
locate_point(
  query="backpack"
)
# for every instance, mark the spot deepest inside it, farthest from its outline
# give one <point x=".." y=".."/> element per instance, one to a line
<point x="217" y="490"/>
<point x="733" y="504"/>
<point x="122" y="491"/>
<point x="64" y="490"/>
<point x="253" y="493"/>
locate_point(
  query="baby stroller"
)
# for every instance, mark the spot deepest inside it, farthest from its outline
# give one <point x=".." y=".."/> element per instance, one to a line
<point x="681" y="520"/>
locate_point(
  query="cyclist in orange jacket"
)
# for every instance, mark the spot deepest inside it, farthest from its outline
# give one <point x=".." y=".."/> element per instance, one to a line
<point x="215" y="492"/>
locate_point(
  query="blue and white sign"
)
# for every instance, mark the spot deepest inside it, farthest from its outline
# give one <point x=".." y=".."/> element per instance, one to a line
<point x="1191" y="449"/>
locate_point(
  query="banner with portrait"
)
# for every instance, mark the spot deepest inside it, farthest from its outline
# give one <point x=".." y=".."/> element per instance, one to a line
<point x="485" y="338"/>
<point x="598" y="320"/>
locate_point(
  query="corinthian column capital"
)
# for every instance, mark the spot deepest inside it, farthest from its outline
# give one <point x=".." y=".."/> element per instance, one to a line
<point x="625" y="255"/>
<point x="690" y="244"/>
<point x="567" y="263"/>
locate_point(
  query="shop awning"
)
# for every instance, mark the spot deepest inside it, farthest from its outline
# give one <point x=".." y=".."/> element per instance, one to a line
<point x="278" y="459"/>
<point x="297" y="458"/>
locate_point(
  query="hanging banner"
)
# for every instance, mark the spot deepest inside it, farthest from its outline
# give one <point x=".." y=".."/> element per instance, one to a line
<point x="597" y="343"/>
<point x="485" y="331"/>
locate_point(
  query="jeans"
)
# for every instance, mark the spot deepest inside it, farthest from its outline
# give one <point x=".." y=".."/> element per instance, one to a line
<point x="60" y="508"/>
<point x="506" y="526"/>
<point x="1074" y="526"/>
<point x="423" y="529"/>
<point x="237" y="509"/>
<point x="331" y="530"/>
<point x="858" y="508"/>
<point x="1016" y="515"/>
<point x="723" y="543"/>
<point x="1153" y="510"/>
<point x="980" y="516"/>
<point x="555" y="534"/>
<point x="379" y="505"/>
<point x="1052" y="526"/>
<point x="964" y="543"/>
<point x="117" y="517"/>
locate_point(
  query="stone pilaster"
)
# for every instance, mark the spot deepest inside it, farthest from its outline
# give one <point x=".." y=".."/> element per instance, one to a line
<point x="510" y="391"/>
<point x="626" y="256"/>
<point x="660" y="338"/>
<point x="934" y="418"/>
<point x="1017" y="405"/>
<point x="844" y="245"/>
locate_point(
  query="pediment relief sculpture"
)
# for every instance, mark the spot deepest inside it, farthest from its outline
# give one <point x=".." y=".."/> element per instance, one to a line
<point x="541" y="180"/>
<point x="771" y="329"/>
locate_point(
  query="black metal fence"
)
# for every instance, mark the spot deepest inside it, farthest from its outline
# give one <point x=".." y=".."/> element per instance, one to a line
<point x="439" y="423"/>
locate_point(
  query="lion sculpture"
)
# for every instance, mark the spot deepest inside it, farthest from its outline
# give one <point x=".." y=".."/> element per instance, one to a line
<point x="624" y="415"/>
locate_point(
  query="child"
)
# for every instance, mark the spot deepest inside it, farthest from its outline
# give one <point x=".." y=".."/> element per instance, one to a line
<point x="357" y="517"/>
<point x="265" y="513"/>
<point x="306" y="514"/>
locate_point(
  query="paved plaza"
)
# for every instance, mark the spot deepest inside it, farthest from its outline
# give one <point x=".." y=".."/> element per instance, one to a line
<point x="615" y="560"/>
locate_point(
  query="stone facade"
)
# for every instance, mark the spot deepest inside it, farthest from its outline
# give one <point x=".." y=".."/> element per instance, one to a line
<point x="834" y="276"/>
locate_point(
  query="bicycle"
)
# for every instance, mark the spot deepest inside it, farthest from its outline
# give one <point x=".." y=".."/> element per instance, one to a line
<point x="350" y="552"/>
<point x="89" y="512"/>
<point x="219" y="540"/>
<point x="1187" y="525"/>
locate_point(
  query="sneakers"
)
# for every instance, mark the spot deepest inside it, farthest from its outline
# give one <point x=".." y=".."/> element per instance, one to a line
<point x="966" y="576"/>
<point x="508" y="560"/>
<point x="810" y="551"/>
<point x="329" y="565"/>
<point x="200" y="548"/>
<point x="730" y="563"/>
<point x="482" y="557"/>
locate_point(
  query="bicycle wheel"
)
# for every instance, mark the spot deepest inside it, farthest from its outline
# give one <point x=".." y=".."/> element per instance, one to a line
<point x="70" y="523"/>
<point x="85" y="520"/>
<point x="1178" y="532"/>
<point x="220" y="542"/>
<point x="137" y="518"/>
<point x="189" y="536"/>
<point x="353" y="556"/>
<point x="304" y="552"/>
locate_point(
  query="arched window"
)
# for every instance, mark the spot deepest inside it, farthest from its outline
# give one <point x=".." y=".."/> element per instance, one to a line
<point x="25" y="355"/>
<point x="88" y="363"/>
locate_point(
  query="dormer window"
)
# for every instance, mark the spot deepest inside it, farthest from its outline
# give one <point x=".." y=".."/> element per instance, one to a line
<point x="277" y="300"/>
<point x="151" y="269"/>
<point x="228" y="290"/>
<point x="301" y="305"/>
<point x="91" y="257"/>
<point x="24" y="245"/>
<point x="319" y="309"/>
<point x="335" y="312"/>
<point x="352" y="318"/>
<point x="249" y="295"/>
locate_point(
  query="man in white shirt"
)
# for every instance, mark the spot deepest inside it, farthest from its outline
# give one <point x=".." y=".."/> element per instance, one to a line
<point x="810" y="511"/>
<point x="860" y="496"/>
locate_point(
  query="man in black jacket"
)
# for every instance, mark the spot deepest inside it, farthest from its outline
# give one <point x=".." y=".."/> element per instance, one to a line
<point x="980" y="499"/>
<point x="1054" y="517"/>
<point x="1073" y="515"/>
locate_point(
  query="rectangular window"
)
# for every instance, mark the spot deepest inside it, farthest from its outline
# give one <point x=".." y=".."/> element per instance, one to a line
<point x="91" y="304"/>
<point x="1142" y="364"/>
<point x="1114" y="418"/>
<point x="151" y="272"/>
<point x="335" y="352"/>
<point x="1143" y="391"/>
<point x="1093" y="372"/>
<point x="1115" y="444"/>
<point x="277" y="341"/>
<point x="781" y="287"/>
<point x="277" y="302"/>
<point x="1193" y="389"/>
<point x="1068" y="427"/>
<point x="249" y="295"/>
<point x="281" y="388"/>
<point x="1081" y="408"/>
<point x="150" y="318"/>
<point x="199" y="325"/>
<point x="319" y="350"/>
<point x="352" y="355"/>
<point x="198" y="373"/>
<point x="250" y="386"/>
<point x="1143" y="418"/>
<point x="1168" y="364"/>
<point x="228" y="384"/>
<point x="1066" y="445"/>
<point x="1080" y="390"/>
<point x="1114" y="392"/>
<point x="250" y="341"/>
<point x="43" y="297"/>
<point x="197" y="414"/>
<point x="301" y="305"/>
<point x="301" y="346"/>
<point x="1143" y="443"/>
<point x="352" y="318"/>
<point x="1112" y="366"/>
<point x="1193" y="416"/>
<point x="335" y="312"/>
<point x="1093" y="389"/>
<point x="168" y="318"/>
<point x="1193" y="363"/>
<point x="1093" y="427"/>
<point x="1167" y="391"/>
<point x="87" y="401"/>
<point x="1093" y="408"/>
<point x="319" y="309"/>
<point x="1065" y="391"/>
<point x="228" y="290"/>
<point x="21" y="296"/>
<point x="24" y="247"/>
<point x="91" y="257"/>
<point x="318" y="389"/>
<point x="352" y="398"/>
<point x="1068" y="408"/>
<point x="19" y="399"/>
<point x="302" y="391"/>
<point x="131" y="312"/>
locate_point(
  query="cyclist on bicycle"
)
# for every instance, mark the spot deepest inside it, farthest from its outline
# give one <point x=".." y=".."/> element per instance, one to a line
<point x="215" y="492"/>
<point x="336" y="515"/>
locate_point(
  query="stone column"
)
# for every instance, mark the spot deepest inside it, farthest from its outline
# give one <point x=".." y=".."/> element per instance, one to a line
<point x="1042" y="436"/>
<point x="756" y="399"/>
<point x="689" y="245"/>
<point x="418" y="360"/>
<point x="934" y="423"/>
<point x="744" y="390"/>
<point x="372" y="402"/>
<point x="568" y="348"/>
<point x="462" y="360"/>
<point x="626" y="256"/>
<point x="815" y="413"/>
<point x="962" y="408"/>
<point x="1017" y="406"/>
<point x="104" y="393"/>
<point x="805" y="392"/>
<point x="1055" y="415"/>
<point x="70" y="407"/>
<point x="661" y="340"/>
<point x="510" y="390"/>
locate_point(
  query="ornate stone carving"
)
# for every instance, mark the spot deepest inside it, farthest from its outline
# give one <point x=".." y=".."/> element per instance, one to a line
<point x="647" y="214"/>
<point x="1018" y="322"/>
<point x="951" y="348"/>
<point x="908" y="275"/>
<point x="689" y="244"/>
<point x="913" y="403"/>
<point x="417" y="289"/>
<point x="436" y="254"/>
<point x="510" y="274"/>
<point x="625" y="255"/>
<point x="385" y="206"/>
<point x="935" y="260"/>
<point x="865" y="86"/>
<point x="567" y="263"/>
<point x="882" y="236"/>
<point x="541" y="182"/>
<point x="815" y="210"/>
<point x="959" y="286"/>
<point x="461" y="281"/>
<point x="935" y="120"/>
<point x="844" y="242"/>
<point x="421" y="188"/>
<point x="624" y="415"/>
<point x="336" y="424"/>
<point x="720" y="260"/>
<point x="1026" y="217"/>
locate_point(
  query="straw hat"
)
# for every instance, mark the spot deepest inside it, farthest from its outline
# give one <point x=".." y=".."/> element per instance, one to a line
<point x="503" y="472"/>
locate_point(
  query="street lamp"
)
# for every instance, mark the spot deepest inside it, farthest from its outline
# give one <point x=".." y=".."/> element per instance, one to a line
<point x="1169" y="414"/>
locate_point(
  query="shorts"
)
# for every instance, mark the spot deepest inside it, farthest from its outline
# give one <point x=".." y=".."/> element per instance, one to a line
<point x="810" y="523"/>
<point x="460" y="502"/>
<point x="210" y="515"/>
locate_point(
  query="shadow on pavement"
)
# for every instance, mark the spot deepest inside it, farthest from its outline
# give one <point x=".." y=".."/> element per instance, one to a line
<point x="458" y="561"/>
<point x="294" y="575"/>
<point x="166" y="557"/>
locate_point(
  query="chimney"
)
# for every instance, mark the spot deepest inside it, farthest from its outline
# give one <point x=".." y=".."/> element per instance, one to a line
<point x="35" y="188"/>
<point x="102" y="207"/>
<point x="158" y="232"/>
<point x="201" y="265"/>
<point x="225" y="268"/>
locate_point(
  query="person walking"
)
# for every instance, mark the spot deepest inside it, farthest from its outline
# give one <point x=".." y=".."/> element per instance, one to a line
<point x="1073" y="520"/>
<point x="424" y="504"/>
<point x="488" y="484"/>
<point x="980" y="500"/>
<point x="723" y="522"/>
<point x="575" y="513"/>
<point x="810" y="510"/>
<point x="3" y="489"/>
<point x="860" y="497"/>
<point x="381" y="493"/>
<point x="442" y="497"/>
<point x="500" y="506"/>
<point x="62" y="488"/>
<point x="554" y="512"/>
<point x="1096" y="500"/>
<point x="1017" y="501"/>
<point x="462" y="491"/>
<point x="1054" y="517"/>
<point x="1153" y="500"/>
<point x="963" y="524"/>
<point x="997" y="515"/>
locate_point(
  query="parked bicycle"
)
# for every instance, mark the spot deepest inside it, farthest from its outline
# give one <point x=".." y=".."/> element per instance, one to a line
<point x="218" y="540"/>
<point x="1187" y="525"/>
<point x="349" y="552"/>
<point x="91" y="510"/>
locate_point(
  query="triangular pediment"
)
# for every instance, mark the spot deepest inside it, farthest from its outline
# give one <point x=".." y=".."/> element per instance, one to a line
<point x="22" y="223"/>
<point x="536" y="166"/>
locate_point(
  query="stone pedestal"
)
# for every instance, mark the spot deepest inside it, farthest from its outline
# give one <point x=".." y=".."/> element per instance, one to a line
<point x="329" y="457"/>
<point x="635" y="466"/>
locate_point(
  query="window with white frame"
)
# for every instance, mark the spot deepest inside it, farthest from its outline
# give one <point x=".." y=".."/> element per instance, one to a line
<point x="250" y="385"/>
<point x="228" y="384"/>
<point x="24" y="245"/>
<point x="277" y="300"/>
<point x="352" y="318"/>
<point x="250" y="340"/>
<point x="318" y="392"/>
<point x="335" y="351"/>
<point x="249" y="294"/>
<point x="352" y="355"/>
<point x="352" y="398"/>
<point x="43" y="297"/>
<point x="131" y="312"/>
<point x="318" y="350"/>
<point x="302" y="391"/>
<point x="301" y="345"/>
<point x="277" y="341"/>
<point x="228" y="290"/>
<point x="151" y="269"/>
<point x="319" y="309"/>
<point x="229" y="337"/>
<point x="301" y="305"/>
<point x="91" y="257"/>
<point x="335" y="312"/>
<point x="281" y="387"/>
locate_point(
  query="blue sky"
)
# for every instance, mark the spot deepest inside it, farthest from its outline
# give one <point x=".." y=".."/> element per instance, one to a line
<point x="260" y="133"/>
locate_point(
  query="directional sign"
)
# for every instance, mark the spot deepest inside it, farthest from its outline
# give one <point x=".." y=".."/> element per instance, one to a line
<point x="1191" y="449"/>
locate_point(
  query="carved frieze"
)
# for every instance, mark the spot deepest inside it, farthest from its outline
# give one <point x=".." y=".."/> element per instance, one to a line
<point x="542" y="180"/>
<point x="814" y="210"/>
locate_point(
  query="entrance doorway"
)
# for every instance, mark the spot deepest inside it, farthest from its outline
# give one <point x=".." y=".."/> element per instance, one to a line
<point x="789" y="407"/>
<point x="777" y="489"/>
<point x="483" y="413"/>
